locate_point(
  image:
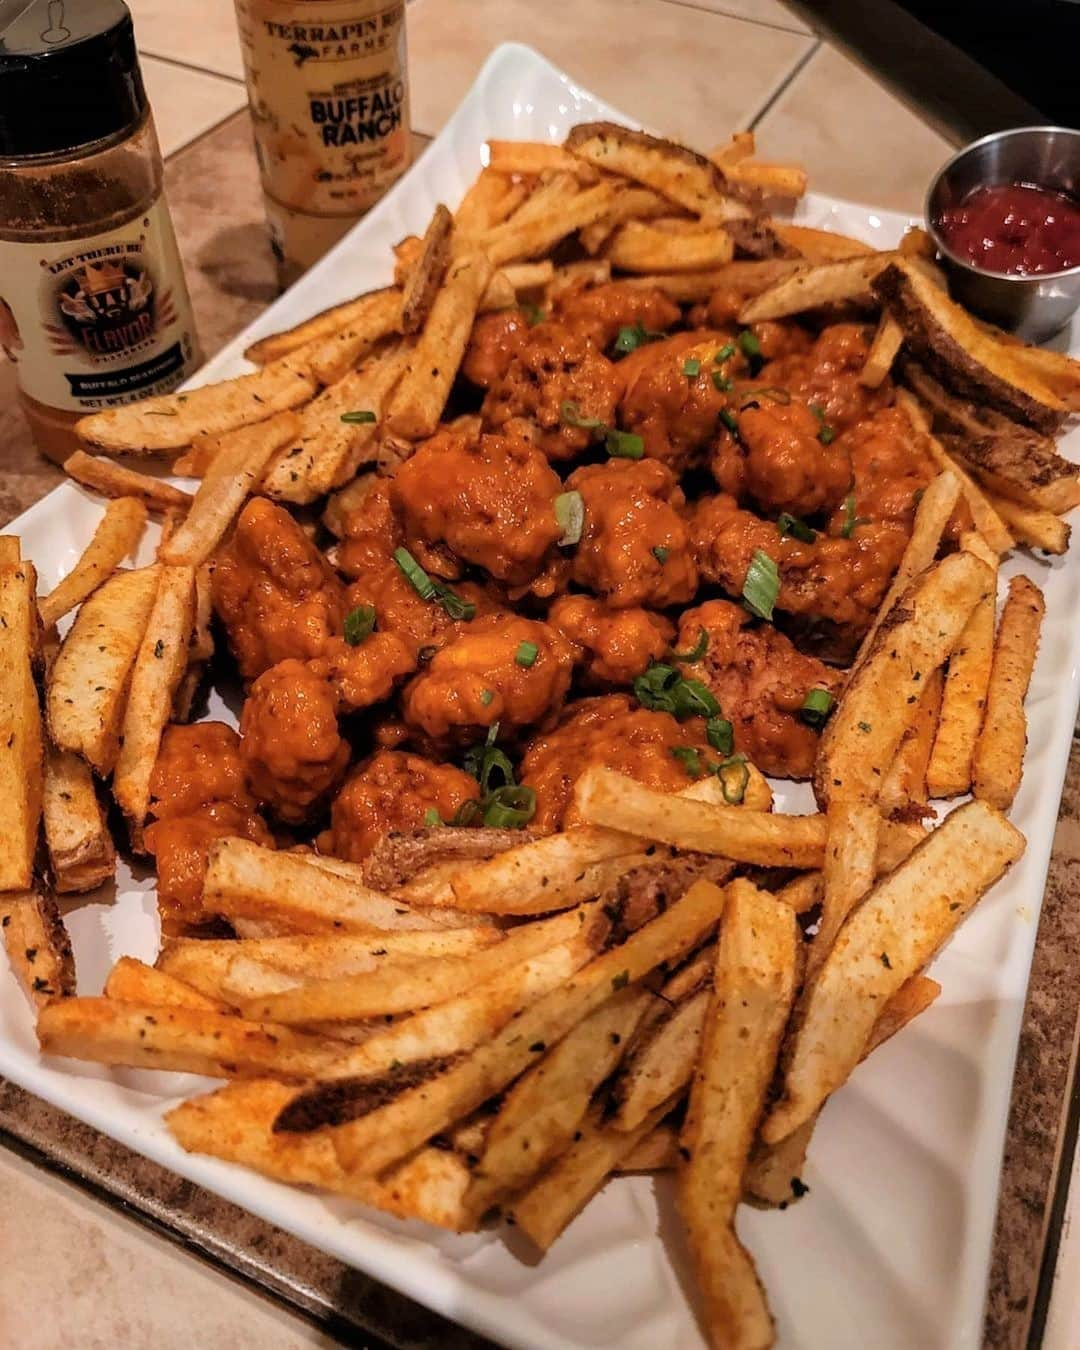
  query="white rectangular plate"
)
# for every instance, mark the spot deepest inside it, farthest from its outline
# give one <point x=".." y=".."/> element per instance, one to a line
<point x="891" y="1247"/>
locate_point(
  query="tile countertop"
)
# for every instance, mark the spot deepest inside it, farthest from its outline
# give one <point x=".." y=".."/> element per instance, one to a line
<point x="697" y="69"/>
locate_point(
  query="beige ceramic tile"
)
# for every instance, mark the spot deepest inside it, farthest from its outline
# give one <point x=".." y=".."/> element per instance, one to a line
<point x="685" y="71"/>
<point x="856" y="139"/>
<point x="772" y="12"/>
<point x="199" y="33"/>
<point x="187" y="102"/>
<point x="75" y="1274"/>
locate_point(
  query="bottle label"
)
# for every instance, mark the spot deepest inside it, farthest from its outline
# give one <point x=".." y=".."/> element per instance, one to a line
<point x="329" y="99"/>
<point x="96" y="322"/>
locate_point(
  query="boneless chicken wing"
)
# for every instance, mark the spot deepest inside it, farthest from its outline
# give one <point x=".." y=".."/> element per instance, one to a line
<point x="601" y="311"/>
<point x="612" y="645"/>
<point x="780" y="460"/>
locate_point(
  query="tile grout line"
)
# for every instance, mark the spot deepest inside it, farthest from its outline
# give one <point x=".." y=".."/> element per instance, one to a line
<point x="793" y="74"/>
<point x="742" y="18"/>
<point x="191" y="66"/>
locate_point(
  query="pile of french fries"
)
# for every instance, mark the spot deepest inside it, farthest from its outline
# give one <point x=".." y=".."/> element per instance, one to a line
<point x="643" y="992"/>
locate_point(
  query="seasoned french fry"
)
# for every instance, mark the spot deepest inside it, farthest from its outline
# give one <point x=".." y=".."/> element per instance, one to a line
<point x="658" y="1151"/>
<point x="244" y="880"/>
<point x="277" y="433"/>
<point x="822" y="284"/>
<point x="931" y="516"/>
<point x="365" y="312"/>
<point x="132" y="981"/>
<point x="687" y="287"/>
<point x="754" y="986"/>
<point x="661" y="1062"/>
<point x="775" y="180"/>
<point x="427" y="271"/>
<point x="421" y="395"/>
<point x="850" y="853"/>
<point x="639" y="247"/>
<point x="530" y="158"/>
<point x="339" y="454"/>
<point x="387" y="1133"/>
<point x="905" y="783"/>
<point x="38" y="946"/>
<point x="1033" y="527"/>
<point x="116" y="536"/>
<point x="739" y="148"/>
<point x="998" y="762"/>
<point x="114" y="480"/>
<point x="157" y="671"/>
<point x="881" y="699"/>
<point x="81" y="852"/>
<point x="488" y="202"/>
<point x="964" y="695"/>
<point x="632" y="203"/>
<point x="88" y="683"/>
<point x="888" y="938"/>
<point x="917" y="243"/>
<point x="172" y="421"/>
<point x="21" y="749"/>
<point x="332" y="357"/>
<point x="887" y="342"/>
<point x="528" y="276"/>
<point x="540" y="230"/>
<point x="803" y="892"/>
<point x="821" y="246"/>
<point x="686" y="178"/>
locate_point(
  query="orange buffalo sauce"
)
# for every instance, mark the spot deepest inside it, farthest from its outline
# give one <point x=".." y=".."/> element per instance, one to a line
<point x="328" y="90"/>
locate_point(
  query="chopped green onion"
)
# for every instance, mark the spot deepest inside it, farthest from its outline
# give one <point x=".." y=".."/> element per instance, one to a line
<point x="751" y="349"/>
<point x="847" y="529"/>
<point x="533" y="314"/>
<point x="624" y="444"/>
<point x="455" y="607"/>
<point x="729" y="420"/>
<point x="689" y="758"/>
<point x="510" y="807"/>
<point x="798" y="529"/>
<point x="432" y="817"/>
<point x="631" y="336"/>
<point x="701" y="646"/>
<point x="818" y="411"/>
<point x="726" y="352"/>
<point x="526" y="654"/>
<point x="695" y="699"/>
<point x="734" y="777"/>
<point x="662" y="688"/>
<point x="722" y="383"/>
<point x="362" y="416"/>
<point x="467" y="812"/>
<point x="816" y="707"/>
<point x="691" y="367"/>
<point x="485" y="759"/>
<point x="570" y="513"/>
<point x="417" y="578"/>
<point x="827" y="435"/>
<point x="486" y="697"/>
<point x="572" y="415"/>
<point x="661" y="553"/>
<point x="762" y="585"/>
<point x="720" y="735"/>
<point x="359" y="624"/>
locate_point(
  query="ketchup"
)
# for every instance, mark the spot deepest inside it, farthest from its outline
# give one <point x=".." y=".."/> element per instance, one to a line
<point x="1014" y="228"/>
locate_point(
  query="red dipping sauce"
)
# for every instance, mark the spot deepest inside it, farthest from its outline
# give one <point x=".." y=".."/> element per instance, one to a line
<point x="1015" y="229"/>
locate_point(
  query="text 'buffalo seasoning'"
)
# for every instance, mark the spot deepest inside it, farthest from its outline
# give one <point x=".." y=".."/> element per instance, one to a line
<point x="328" y="88"/>
<point x="94" y="310"/>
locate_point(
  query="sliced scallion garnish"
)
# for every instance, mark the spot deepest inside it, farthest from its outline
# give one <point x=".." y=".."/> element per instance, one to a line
<point x="816" y="707"/>
<point x="362" y="416"/>
<point x="761" y="585"/>
<point x="526" y="654"/>
<point x="798" y="529"/>
<point x="359" y="624"/>
<point x="570" y="513"/>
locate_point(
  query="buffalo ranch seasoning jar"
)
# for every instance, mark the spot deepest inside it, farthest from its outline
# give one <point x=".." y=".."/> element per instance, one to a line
<point x="328" y="89"/>
<point x="93" y="305"/>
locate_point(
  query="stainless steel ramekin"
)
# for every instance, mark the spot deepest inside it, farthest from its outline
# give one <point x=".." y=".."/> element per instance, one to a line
<point x="1034" y="307"/>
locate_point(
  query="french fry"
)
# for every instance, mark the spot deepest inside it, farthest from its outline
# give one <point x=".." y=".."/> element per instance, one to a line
<point x="587" y="272"/>
<point x="117" y="535"/>
<point x="848" y="874"/>
<point x="349" y="998"/>
<point x="931" y="517"/>
<point x="338" y="455"/>
<point x="917" y="243"/>
<point x="1033" y="527"/>
<point x="200" y="648"/>
<point x="172" y="421"/>
<point x="603" y="797"/>
<point x="886" y="940"/>
<point x="538" y="231"/>
<point x="88" y="683"/>
<point x="905" y="783"/>
<point x="998" y="762"/>
<point x="210" y="455"/>
<point x="158" y="668"/>
<point x="887" y="342"/>
<point x="179" y="1039"/>
<point x="244" y="880"/>
<point x="421" y="395"/>
<point x="739" y="148"/>
<point x="688" y="287"/>
<point x="426" y="274"/>
<point x="847" y="281"/>
<point x="775" y="180"/>
<point x="528" y="276"/>
<point x="948" y="773"/>
<point x="803" y="892"/>
<point x="639" y="247"/>
<point x="531" y="158"/>
<point x="132" y="981"/>
<point x="488" y="202"/>
<point x="658" y="1151"/>
<point x="1023" y="467"/>
<point x="573" y="1179"/>
<point x="114" y="480"/>
<point x="686" y="178"/>
<point x="386" y="1134"/>
<point x="661" y="1062"/>
<point x="80" y="847"/>
<point x="539" y="1116"/>
<point x="754" y="987"/>
<point x="331" y="358"/>
<point x="821" y="246"/>
<point x="373" y="315"/>
<point x="1058" y="371"/>
<point x="881" y="698"/>
<point x="38" y="946"/>
<point x="632" y="203"/>
<point x="21" y="748"/>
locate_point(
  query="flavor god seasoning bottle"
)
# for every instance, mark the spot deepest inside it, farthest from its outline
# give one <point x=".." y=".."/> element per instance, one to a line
<point x="328" y="89"/>
<point x="93" y="305"/>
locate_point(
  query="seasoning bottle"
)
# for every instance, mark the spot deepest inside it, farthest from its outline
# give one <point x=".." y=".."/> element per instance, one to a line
<point x="328" y="89"/>
<point x="93" y="304"/>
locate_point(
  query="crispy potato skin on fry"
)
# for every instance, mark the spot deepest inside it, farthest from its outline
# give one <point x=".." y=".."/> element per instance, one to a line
<point x="38" y="946"/>
<point x="21" y="742"/>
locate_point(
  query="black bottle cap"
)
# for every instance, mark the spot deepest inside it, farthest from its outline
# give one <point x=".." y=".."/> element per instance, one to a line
<point x="69" y="75"/>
